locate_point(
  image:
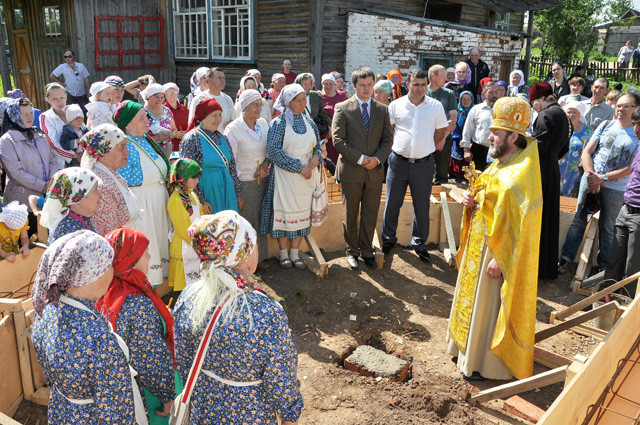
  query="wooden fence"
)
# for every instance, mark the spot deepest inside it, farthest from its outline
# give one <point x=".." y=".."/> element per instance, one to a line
<point x="541" y="68"/>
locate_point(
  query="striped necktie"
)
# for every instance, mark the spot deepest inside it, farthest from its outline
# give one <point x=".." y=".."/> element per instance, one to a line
<point x="365" y="116"/>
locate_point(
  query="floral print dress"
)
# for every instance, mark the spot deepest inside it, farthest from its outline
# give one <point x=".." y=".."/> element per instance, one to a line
<point x="569" y="172"/>
<point x="71" y="223"/>
<point x="81" y="360"/>
<point x="240" y="352"/>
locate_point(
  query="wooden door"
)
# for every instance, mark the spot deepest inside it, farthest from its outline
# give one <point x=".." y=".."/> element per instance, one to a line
<point x="505" y="70"/>
<point x="20" y="43"/>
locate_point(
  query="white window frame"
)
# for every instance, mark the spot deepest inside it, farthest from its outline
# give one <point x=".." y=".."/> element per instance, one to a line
<point x="51" y="21"/>
<point x="502" y="21"/>
<point x="221" y="16"/>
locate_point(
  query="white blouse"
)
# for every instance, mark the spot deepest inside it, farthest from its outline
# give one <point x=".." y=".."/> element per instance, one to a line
<point x="249" y="147"/>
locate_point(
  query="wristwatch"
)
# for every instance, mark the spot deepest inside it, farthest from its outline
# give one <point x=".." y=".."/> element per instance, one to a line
<point x="605" y="177"/>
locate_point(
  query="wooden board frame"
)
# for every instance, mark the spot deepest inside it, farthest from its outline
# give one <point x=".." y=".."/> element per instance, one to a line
<point x="450" y="253"/>
<point x="317" y="263"/>
<point x="585" y="255"/>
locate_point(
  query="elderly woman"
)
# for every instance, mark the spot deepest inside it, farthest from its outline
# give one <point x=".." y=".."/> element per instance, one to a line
<point x="117" y="89"/>
<point x="570" y="172"/>
<point x="315" y="106"/>
<point x="517" y="84"/>
<point x="383" y="92"/>
<point x="162" y="128"/>
<point x="99" y="109"/>
<point x="219" y="188"/>
<point x="462" y="80"/>
<point x="248" y="373"/>
<point x="146" y="174"/>
<point x="399" y="89"/>
<point x="26" y="157"/>
<point x="72" y="199"/>
<point x="293" y="147"/>
<point x="250" y="83"/>
<point x="105" y="151"/>
<point x="502" y="88"/>
<point x="278" y="81"/>
<point x="54" y="119"/>
<point x="330" y="98"/>
<point x="247" y="136"/>
<point x="84" y="362"/>
<point x="179" y="111"/>
<point x="144" y="322"/>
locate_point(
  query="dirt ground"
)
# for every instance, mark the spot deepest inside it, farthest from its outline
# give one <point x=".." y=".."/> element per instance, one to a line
<point x="402" y="309"/>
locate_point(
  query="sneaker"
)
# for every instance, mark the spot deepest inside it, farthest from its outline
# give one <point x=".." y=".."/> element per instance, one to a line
<point x="563" y="265"/>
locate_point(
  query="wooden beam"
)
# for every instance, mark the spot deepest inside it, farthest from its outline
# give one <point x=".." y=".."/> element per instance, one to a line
<point x="316" y="11"/>
<point x="563" y="326"/>
<point x="527" y="57"/>
<point x="540" y="380"/>
<point x="548" y="359"/>
<point x="317" y="264"/>
<point x="41" y="396"/>
<point x="585" y="255"/>
<point x="6" y="419"/>
<point x="563" y="314"/>
<point x="5" y="73"/>
<point x="377" y="250"/>
<point x="10" y="305"/>
<point x="20" y="322"/>
<point x="451" y="240"/>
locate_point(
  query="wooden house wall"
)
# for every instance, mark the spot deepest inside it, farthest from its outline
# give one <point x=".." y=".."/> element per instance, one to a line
<point x="282" y="31"/>
<point x="86" y="10"/>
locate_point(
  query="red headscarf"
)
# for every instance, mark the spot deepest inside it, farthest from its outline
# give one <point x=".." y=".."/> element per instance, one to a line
<point x="397" y="89"/>
<point x="483" y="82"/>
<point x="203" y="110"/>
<point x="129" y="245"/>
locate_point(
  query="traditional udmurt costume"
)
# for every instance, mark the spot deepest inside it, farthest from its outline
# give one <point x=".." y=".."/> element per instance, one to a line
<point x="492" y="323"/>
<point x="184" y="208"/>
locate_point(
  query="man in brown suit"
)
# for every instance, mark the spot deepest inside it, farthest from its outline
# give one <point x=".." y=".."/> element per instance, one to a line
<point x="362" y="135"/>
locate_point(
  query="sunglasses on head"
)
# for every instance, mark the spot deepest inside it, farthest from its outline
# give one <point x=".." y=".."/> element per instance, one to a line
<point x="68" y="56"/>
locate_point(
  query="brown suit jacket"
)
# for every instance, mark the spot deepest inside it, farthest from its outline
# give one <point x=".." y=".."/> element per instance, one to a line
<point x="351" y="140"/>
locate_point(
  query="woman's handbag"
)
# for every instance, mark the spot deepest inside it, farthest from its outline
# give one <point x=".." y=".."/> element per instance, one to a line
<point x="320" y="198"/>
<point x="181" y="409"/>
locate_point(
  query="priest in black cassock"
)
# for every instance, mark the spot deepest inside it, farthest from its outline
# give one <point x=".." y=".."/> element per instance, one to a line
<point x="553" y="130"/>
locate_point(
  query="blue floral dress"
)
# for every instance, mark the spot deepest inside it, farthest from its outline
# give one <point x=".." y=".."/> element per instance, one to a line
<point x="569" y="173"/>
<point x="81" y="359"/>
<point x="71" y="223"/>
<point x="142" y="328"/>
<point x="239" y="352"/>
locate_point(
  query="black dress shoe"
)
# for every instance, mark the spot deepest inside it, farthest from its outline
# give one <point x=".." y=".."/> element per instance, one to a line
<point x="424" y="256"/>
<point x="475" y="376"/>
<point x="352" y="261"/>
<point x="370" y="261"/>
<point x="387" y="247"/>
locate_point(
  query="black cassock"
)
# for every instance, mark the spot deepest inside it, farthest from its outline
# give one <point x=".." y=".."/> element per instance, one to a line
<point x="553" y="130"/>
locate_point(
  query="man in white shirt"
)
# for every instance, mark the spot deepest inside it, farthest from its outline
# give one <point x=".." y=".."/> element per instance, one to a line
<point x="475" y="136"/>
<point x="216" y="82"/>
<point x="75" y="78"/>
<point x="419" y="129"/>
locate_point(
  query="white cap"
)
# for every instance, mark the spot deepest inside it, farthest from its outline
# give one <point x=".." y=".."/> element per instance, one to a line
<point x="73" y="111"/>
<point x="96" y="88"/>
<point x="328" y="77"/>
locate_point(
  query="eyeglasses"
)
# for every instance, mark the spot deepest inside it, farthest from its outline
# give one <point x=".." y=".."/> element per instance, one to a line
<point x="68" y="57"/>
<point x="626" y="106"/>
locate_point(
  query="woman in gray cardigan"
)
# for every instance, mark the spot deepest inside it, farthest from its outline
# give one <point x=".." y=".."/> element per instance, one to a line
<point x="26" y="156"/>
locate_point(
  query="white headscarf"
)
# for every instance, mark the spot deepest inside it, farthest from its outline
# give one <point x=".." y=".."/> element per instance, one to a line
<point x="14" y="215"/>
<point x="521" y="83"/>
<point x="327" y="77"/>
<point x="96" y="88"/>
<point x="153" y="88"/>
<point x="244" y="79"/>
<point x="578" y="106"/>
<point x="168" y="86"/>
<point x="286" y="96"/>
<point x="68" y="186"/>
<point x="277" y="75"/>
<point x="247" y="97"/>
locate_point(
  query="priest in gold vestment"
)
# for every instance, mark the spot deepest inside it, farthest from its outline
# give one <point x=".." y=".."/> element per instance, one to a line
<point x="492" y="323"/>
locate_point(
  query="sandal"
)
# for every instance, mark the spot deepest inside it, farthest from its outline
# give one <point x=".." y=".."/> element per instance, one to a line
<point x="286" y="263"/>
<point x="299" y="264"/>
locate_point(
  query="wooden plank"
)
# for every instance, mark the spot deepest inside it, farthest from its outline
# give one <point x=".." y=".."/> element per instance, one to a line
<point x="583" y="391"/>
<point x="377" y="250"/>
<point x="319" y="265"/>
<point x="23" y="353"/>
<point x="576" y="366"/>
<point x="563" y="326"/>
<point x="451" y="240"/>
<point x="583" y="264"/>
<point x="540" y="380"/>
<point x="549" y="359"/>
<point x="10" y="381"/>
<point x="41" y="396"/>
<point x="12" y="410"/>
<point x="19" y="274"/>
<point x="10" y="305"/>
<point x="590" y="331"/>
<point x="563" y="314"/>
<point x="36" y="370"/>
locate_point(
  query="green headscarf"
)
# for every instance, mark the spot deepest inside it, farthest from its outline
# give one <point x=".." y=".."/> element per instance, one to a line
<point x="125" y="112"/>
<point x="183" y="170"/>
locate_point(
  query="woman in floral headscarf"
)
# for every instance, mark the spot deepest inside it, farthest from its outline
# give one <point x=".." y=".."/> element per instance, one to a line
<point x="249" y="371"/>
<point x="105" y="151"/>
<point x="383" y="92"/>
<point x="144" y="322"/>
<point x="293" y="147"/>
<point x="82" y="359"/>
<point x="73" y="197"/>
<point x="184" y="208"/>
<point x="146" y="173"/>
<point x="27" y="159"/>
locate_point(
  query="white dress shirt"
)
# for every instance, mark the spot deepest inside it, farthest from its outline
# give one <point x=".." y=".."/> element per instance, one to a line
<point x="476" y="128"/>
<point x="415" y="126"/>
<point x="73" y="79"/>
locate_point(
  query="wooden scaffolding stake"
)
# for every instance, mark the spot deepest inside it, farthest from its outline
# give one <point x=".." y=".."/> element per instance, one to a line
<point x="377" y="250"/>
<point x="450" y="252"/>
<point x="317" y="264"/>
<point x="583" y="264"/>
<point x="540" y="380"/>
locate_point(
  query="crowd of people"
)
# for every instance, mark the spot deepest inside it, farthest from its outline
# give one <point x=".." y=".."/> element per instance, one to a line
<point x="146" y="190"/>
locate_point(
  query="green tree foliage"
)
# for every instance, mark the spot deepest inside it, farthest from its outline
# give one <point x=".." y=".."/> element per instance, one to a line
<point x="564" y="30"/>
